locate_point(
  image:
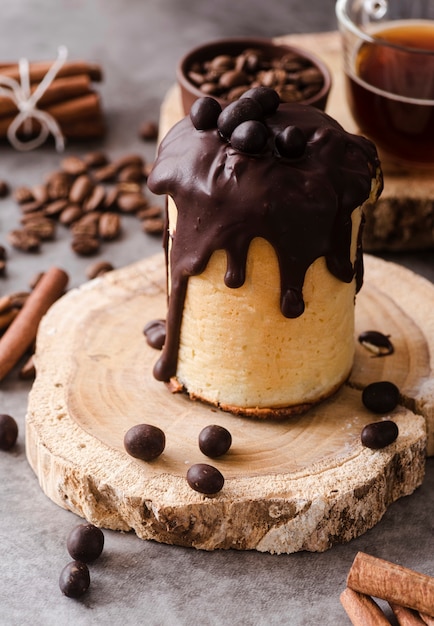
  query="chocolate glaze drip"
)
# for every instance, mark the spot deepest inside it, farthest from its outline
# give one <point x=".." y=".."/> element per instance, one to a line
<point x="226" y="198"/>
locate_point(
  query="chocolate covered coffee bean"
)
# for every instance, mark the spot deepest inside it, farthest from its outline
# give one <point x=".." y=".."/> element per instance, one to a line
<point x="74" y="579"/>
<point x="85" y="543"/>
<point x="145" y="441"/>
<point x="214" y="440"/>
<point x="376" y="342"/>
<point x="380" y="397"/>
<point x="378" y="435"/>
<point x="8" y="432"/>
<point x="205" y="478"/>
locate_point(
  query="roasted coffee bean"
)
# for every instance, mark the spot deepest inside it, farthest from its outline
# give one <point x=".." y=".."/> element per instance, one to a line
<point x="291" y="142"/>
<point x="4" y="189"/>
<point x="98" y="269"/>
<point x="214" y="440"/>
<point x="380" y="397"/>
<point x="23" y="194"/>
<point x="81" y="189"/>
<point x="55" y="207"/>
<point x="85" y="543"/>
<point x="95" y="200"/>
<point x="73" y="165"/>
<point x="379" y="434"/>
<point x="153" y="226"/>
<point x="148" y="131"/>
<point x="85" y="245"/>
<point x="376" y="342"/>
<point x="70" y="214"/>
<point x="131" y="202"/>
<point x="31" y="207"/>
<point x="86" y="225"/>
<point x="129" y="186"/>
<point x="2" y="267"/>
<point x="3" y="253"/>
<point x="233" y="78"/>
<point x="205" y="478"/>
<point x="74" y="579"/>
<point x="41" y="227"/>
<point x="109" y="226"/>
<point x="131" y="174"/>
<point x="204" y="113"/>
<point x="236" y="113"/>
<point x="250" y="137"/>
<point x="58" y="185"/>
<point x="128" y="160"/>
<point x="40" y="193"/>
<point x="111" y="198"/>
<point x="24" y="241"/>
<point x="155" y="333"/>
<point x="106" y="173"/>
<point x="8" y="432"/>
<point x="148" y="212"/>
<point x="145" y="442"/>
<point x="28" y="217"/>
<point x="95" y="159"/>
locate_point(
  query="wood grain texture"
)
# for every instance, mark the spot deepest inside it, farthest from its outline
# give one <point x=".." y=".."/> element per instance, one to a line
<point x="304" y="484"/>
<point x="403" y="218"/>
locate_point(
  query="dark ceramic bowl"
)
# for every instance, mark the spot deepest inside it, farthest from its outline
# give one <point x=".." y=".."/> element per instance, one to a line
<point x="269" y="51"/>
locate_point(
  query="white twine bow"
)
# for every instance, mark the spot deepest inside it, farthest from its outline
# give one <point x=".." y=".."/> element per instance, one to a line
<point x="25" y="101"/>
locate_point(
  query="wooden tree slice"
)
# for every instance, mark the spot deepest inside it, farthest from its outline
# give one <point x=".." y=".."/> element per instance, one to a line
<point x="303" y="484"/>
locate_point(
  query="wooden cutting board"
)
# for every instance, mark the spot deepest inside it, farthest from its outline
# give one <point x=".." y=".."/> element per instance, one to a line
<point x="403" y="218"/>
<point x="304" y="484"/>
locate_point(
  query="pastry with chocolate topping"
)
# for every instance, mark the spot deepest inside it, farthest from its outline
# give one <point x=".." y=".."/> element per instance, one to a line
<point x="264" y="258"/>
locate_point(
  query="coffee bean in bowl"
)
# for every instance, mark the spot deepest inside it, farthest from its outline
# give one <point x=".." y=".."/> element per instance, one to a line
<point x="228" y="68"/>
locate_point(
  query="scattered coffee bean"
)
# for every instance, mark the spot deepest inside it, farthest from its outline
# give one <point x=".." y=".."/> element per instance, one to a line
<point x="55" y="207"/>
<point x="30" y="207"/>
<point x="74" y="579"/>
<point x="4" y="189"/>
<point x="131" y="202"/>
<point x="205" y="478"/>
<point x="106" y="173"/>
<point x="24" y="241"/>
<point x="95" y="200"/>
<point x="23" y="194"/>
<point x="41" y="227"/>
<point x="376" y="342"/>
<point x="109" y="226"/>
<point x="8" y="432"/>
<point x="58" y="185"/>
<point x="149" y="212"/>
<point x="85" y="245"/>
<point x="85" y="543"/>
<point x="81" y="189"/>
<point x="145" y="442"/>
<point x="380" y="397"/>
<point x="70" y="214"/>
<point x="379" y="434"/>
<point x="148" y="131"/>
<point x="214" y="440"/>
<point x="98" y="269"/>
<point x="155" y="333"/>
<point x="153" y="226"/>
<point x="95" y="159"/>
<point x="73" y="165"/>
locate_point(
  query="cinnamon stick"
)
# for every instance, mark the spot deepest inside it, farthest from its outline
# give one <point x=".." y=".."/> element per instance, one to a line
<point x="362" y="610"/>
<point x="68" y="112"/>
<point x="22" y="332"/>
<point x="59" y="90"/>
<point x="38" y="69"/>
<point x="406" y="617"/>
<point x="379" y="578"/>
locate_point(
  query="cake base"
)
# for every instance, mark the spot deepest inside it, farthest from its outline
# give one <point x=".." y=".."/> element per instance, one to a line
<point x="303" y="484"/>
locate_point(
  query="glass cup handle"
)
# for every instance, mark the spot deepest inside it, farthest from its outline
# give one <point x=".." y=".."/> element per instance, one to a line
<point x="375" y="9"/>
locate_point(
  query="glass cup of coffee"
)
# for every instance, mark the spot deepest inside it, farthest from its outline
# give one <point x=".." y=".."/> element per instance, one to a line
<point x="388" y="49"/>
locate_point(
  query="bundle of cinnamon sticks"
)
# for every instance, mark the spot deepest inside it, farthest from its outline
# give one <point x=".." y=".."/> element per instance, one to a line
<point x="70" y="99"/>
<point x="409" y="593"/>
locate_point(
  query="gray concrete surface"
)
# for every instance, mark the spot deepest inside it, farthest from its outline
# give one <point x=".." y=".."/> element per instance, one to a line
<point x="138" y="43"/>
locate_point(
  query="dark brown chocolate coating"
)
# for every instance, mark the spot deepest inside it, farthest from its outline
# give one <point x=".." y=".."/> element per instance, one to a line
<point x="225" y="198"/>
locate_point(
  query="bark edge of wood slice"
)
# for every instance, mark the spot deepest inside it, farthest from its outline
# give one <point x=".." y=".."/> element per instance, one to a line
<point x="273" y="500"/>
